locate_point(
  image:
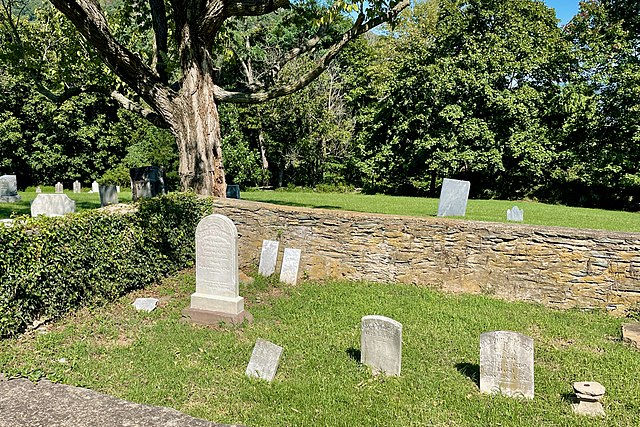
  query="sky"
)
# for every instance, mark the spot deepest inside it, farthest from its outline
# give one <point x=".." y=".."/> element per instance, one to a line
<point x="565" y="9"/>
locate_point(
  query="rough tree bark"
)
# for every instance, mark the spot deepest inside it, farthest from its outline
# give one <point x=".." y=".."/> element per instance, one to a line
<point x="189" y="107"/>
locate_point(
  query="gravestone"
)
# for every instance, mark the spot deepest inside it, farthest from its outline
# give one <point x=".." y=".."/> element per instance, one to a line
<point x="217" y="278"/>
<point x="38" y="190"/>
<point x="95" y="187"/>
<point x="118" y="188"/>
<point x="381" y="344"/>
<point x="233" y="191"/>
<point x="59" y="188"/>
<point x="268" y="257"/>
<point x="264" y="360"/>
<point x="515" y="214"/>
<point x="9" y="189"/>
<point x="453" y="197"/>
<point x="52" y="205"/>
<point x="147" y="181"/>
<point x="77" y="187"/>
<point x="290" y="265"/>
<point x="506" y="364"/>
<point x="108" y="195"/>
<point x="145" y="304"/>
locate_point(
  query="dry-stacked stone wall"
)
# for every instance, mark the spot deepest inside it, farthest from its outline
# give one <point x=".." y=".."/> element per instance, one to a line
<point x="560" y="267"/>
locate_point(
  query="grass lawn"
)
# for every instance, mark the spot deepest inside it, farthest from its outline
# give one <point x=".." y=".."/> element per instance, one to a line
<point x="480" y="210"/>
<point x="84" y="201"/>
<point x="154" y="358"/>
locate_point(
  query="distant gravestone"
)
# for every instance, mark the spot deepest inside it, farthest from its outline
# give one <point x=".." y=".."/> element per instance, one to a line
<point x="95" y="187"/>
<point x="9" y="189"/>
<point x="233" y="191"/>
<point x="217" y="277"/>
<point x="118" y="188"/>
<point x="147" y="181"/>
<point x="515" y="214"/>
<point x="506" y="364"/>
<point x="264" y="360"/>
<point x="453" y="197"/>
<point x="290" y="265"/>
<point x="108" y="195"/>
<point x="52" y="205"/>
<point x="268" y="257"/>
<point x="38" y="190"/>
<point x="59" y="188"/>
<point x="381" y="344"/>
<point x="145" y="304"/>
<point x="77" y="187"/>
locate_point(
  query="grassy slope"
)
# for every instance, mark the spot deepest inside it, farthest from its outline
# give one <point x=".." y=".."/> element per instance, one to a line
<point x="481" y="210"/>
<point x="156" y="359"/>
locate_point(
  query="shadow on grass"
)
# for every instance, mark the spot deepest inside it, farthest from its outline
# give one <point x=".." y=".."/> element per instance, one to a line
<point x="302" y="205"/>
<point x="20" y="208"/>
<point x="353" y="353"/>
<point x="470" y="370"/>
<point x="569" y="398"/>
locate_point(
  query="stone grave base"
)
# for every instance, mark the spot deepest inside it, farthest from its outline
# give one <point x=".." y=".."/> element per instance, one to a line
<point x="9" y="199"/>
<point x="206" y="317"/>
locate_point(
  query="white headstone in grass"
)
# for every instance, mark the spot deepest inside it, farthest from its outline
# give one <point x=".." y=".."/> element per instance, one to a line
<point x="95" y="187"/>
<point x="38" y="190"/>
<point x="290" y="265"/>
<point x="217" y="277"/>
<point x="52" y="205"/>
<point x="506" y="364"/>
<point x="145" y="304"/>
<point x="59" y="188"/>
<point x="453" y="197"/>
<point x="77" y="187"/>
<point x="515" y="214"/>
<point x="268" y="257"/>
<point x="381" y="344"/>
<point x="264" y="360"/>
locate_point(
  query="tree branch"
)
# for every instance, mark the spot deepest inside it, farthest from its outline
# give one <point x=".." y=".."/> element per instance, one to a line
<point x="358" y="28"/>
<point x="160" y="39"/>
<point x="252" y="7"/>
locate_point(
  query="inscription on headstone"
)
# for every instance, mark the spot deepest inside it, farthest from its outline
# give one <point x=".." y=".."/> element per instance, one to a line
<point x="9" y="189"/>
<point x="52" y="205"/>
<point x="506" y="364"/>
<point x="453" y="197"/>
<point x="77" y="187"/>
<point x="59" y="188"/>
<point x="264" y="360"/>
<point x="268" y="257"/>
<point x="515" y="214"/>
<point x="381" y="344"/>
<point x="217" y="276"/>
<point x="290" y="265"/>
<point x="108" y="195"/>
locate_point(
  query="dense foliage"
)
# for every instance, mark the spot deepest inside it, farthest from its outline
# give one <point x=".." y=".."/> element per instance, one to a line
<point x="52" y="265"/>
<point x="492" y="91"/>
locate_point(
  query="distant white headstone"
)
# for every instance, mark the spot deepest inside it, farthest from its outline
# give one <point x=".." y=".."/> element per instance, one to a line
<point x="453" y="197"/>
<point x="77" y="187"/>
<point x="9" y="189"/>
<point x="118" y="188"/>
<point x="515" y="214"/>
<point x="95" y="187"/>
<point x="290" y="265"/>
<point x="59" y="188"/>
<point x="38" y="190"/>
<point x="52" y="205"/>
<point x="145" y="304"/>
<point x="381" y="344"/>
<point x="217" y="277"/>
<point x="268" y="257"/>
<point x="506" y="364"/>
<point x="264" y="360"/>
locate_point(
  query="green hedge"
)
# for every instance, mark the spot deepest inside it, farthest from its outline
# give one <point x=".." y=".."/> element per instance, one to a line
<point x="49" y="266"/>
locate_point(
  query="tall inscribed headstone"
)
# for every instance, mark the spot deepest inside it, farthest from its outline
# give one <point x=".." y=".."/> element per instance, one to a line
<point x="453" y="197"/>
<point x="506" y="364"/>
<point x="217" y="296"/>
<point x="268" y="257"/>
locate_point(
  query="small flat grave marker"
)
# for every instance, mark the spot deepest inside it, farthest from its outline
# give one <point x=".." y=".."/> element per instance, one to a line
<point x="515" y="214"/>
<point x="264" y="360"/>
<point x="506" y="364"/>
<point x="381" y="344"/>
<point x="290" y="265"/>
<point x="453" y="197"/>
<point x="268" y="257"/>
<point x="145" y="304"/>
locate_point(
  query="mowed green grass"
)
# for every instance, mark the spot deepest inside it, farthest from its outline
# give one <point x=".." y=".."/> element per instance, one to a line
<point x="154" y="358"/>
<point x="84" y="201"/>
<point x="478" y="210"/>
